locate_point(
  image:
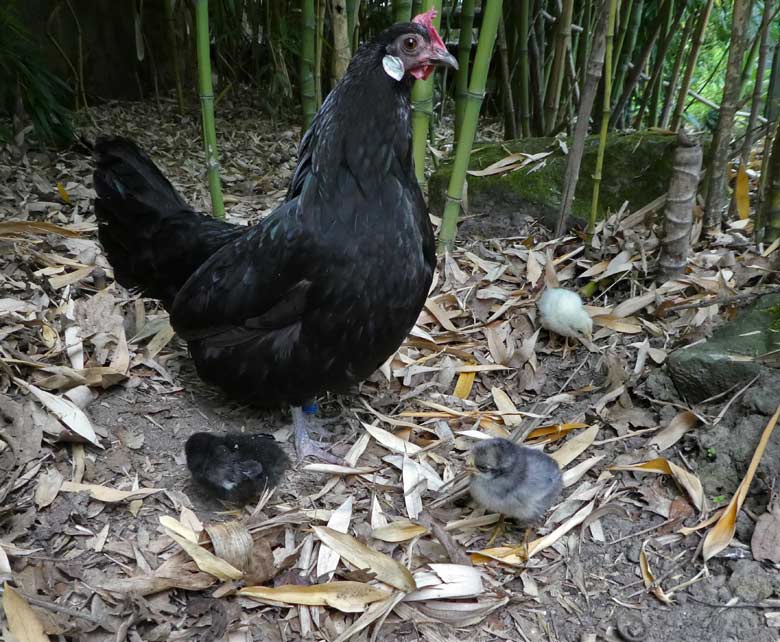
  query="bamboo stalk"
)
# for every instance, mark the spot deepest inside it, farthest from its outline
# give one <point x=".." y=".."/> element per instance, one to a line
<point x="341" y="49"/>
<point x="592" y="78"/>
<point x="422" y="107"/>
<point x="464" y="56"/>
<point x="771" y="206"/>
<point x="693" y="56"/>
<point x="758" y="85"/>
<point x="308" y="34"/>
<point x="207" y="106"/>
<point x="639" y="64"/>
<point x="676" y="69"/>
<point x="558" y="70"/>
<point x="510" y="130"/>
<point x="524" y="70"/>
<point x="720" y="141"/>
<point x="605" y="116"/>
<point x="487" y="37"/>
<point x="632" y="30"/>
<point x="402" y="10"/>
<point x="651" y="91"/>
<point x="773" y="94"/>
<point x="678" y="214"/>
<point x="318" y="42"/>
<point x="174" y="49"/>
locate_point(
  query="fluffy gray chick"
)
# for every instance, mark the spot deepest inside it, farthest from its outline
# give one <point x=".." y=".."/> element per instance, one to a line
<point x="514" y="480"/>
<point x="562" y="312"/>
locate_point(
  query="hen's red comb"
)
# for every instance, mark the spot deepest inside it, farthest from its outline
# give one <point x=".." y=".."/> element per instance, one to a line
<point x="426" y="20"/>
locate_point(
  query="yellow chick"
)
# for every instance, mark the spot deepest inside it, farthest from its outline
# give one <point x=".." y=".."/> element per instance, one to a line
<point x="563" y="313"/>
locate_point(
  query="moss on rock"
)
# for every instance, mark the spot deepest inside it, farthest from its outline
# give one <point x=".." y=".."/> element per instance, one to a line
<point x="636" y="169"/>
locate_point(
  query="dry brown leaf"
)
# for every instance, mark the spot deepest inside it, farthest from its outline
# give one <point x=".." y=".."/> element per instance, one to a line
<point x="464" y="384"/>
<point x="384" y="567"/>
<point x="742" y="193"/>
<point x="348" y="597"/>
<point x="48" y="487"/>
<point x="173" y="524"/>
<point x="390" y="441"/>
<point x="23" y="622"/>
<point x="446" y="581"/>
<point x="327" y="558"/>
<point x="206" y="561"/>
<point x="35" y="227"/>
<point x="507" y="407"/>
<point x="721" y="534"/>
<point x="688" y="481"/>
<point x="66" y="411"/>
<point x="400" y="531"/>
<point x="575" y="446"/>
<point x="626" y="325"/>
<point x="107" y="494"/>
<point x="649" y="578"/>
<point x="681" y="423"/>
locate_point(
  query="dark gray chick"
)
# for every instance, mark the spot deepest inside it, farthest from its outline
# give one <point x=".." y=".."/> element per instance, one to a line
<point x="514" y="480"/>
<point x="235" y="467"/>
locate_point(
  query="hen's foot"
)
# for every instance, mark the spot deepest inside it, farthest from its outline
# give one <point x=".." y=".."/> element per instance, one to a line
<point x="305" y="446"/>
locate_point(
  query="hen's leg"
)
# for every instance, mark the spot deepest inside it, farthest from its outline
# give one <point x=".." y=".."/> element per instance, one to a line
<point x="305" y="446"/>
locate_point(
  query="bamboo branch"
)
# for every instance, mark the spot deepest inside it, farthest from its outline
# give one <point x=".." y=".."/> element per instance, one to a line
<point x="555" y="85"/>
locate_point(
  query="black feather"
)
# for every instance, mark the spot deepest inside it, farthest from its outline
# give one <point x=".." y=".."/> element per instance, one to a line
<point x="320" y="293"/>
<point x="235" y="467"/>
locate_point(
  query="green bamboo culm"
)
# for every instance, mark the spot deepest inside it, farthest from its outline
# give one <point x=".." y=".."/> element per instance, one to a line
<point x="308" y="92"/>
<point x="422" y="107"/>
<point x="524" y="70"/>
<point x="487" y="38"/>
<point x="402" y="10"/>
<point x="464" y="54"/>
<point x="207" y="106"/>
<point x="604" y="117"/>
<point x="770" y="208"/>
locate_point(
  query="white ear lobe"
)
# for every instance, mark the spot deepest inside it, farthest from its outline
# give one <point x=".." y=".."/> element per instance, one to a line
<point x="394" y="67"/>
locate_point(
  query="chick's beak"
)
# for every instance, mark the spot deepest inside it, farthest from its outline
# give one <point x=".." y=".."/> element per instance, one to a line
<point x="470" y="467"/>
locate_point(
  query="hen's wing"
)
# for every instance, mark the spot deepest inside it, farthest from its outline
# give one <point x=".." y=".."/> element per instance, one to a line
<point x="252" y="286"/>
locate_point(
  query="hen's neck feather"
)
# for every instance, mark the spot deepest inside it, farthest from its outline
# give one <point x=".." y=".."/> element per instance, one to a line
<point x="363" y="128"/>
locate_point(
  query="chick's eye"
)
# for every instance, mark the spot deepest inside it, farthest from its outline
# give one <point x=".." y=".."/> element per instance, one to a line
<point x="410" y="44"/>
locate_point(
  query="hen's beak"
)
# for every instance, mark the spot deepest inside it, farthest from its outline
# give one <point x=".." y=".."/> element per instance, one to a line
<point x="442" y="57"/>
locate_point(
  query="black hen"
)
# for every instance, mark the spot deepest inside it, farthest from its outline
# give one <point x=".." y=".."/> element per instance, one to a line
<point x="321" y="292"/>
<point x="235" y="467"/>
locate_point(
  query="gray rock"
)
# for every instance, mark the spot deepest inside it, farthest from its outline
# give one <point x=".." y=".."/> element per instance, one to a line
<point x="732" y="356"/>
<point x="750" y="581"/>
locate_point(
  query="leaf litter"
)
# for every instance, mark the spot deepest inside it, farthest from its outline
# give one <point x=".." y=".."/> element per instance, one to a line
<point x="98" y="522"/>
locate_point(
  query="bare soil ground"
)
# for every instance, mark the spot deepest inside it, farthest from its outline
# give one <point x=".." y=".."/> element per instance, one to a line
<point x="90" y="554"/>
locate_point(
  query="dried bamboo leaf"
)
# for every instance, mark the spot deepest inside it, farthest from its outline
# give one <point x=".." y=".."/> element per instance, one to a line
<point x="384" y="567"/>
<point x="400" y="531"/>
<point x="720" y="535"/>
<point x="23" y="622"/>
<point x="348" y="597"/>
<point x="688" y="481"/>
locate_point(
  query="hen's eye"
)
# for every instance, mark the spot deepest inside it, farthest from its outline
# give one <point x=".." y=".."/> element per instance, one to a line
<point x="410" y="44"/>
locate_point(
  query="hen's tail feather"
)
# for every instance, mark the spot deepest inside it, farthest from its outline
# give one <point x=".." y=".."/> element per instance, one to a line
<point x="152" y="238"/>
